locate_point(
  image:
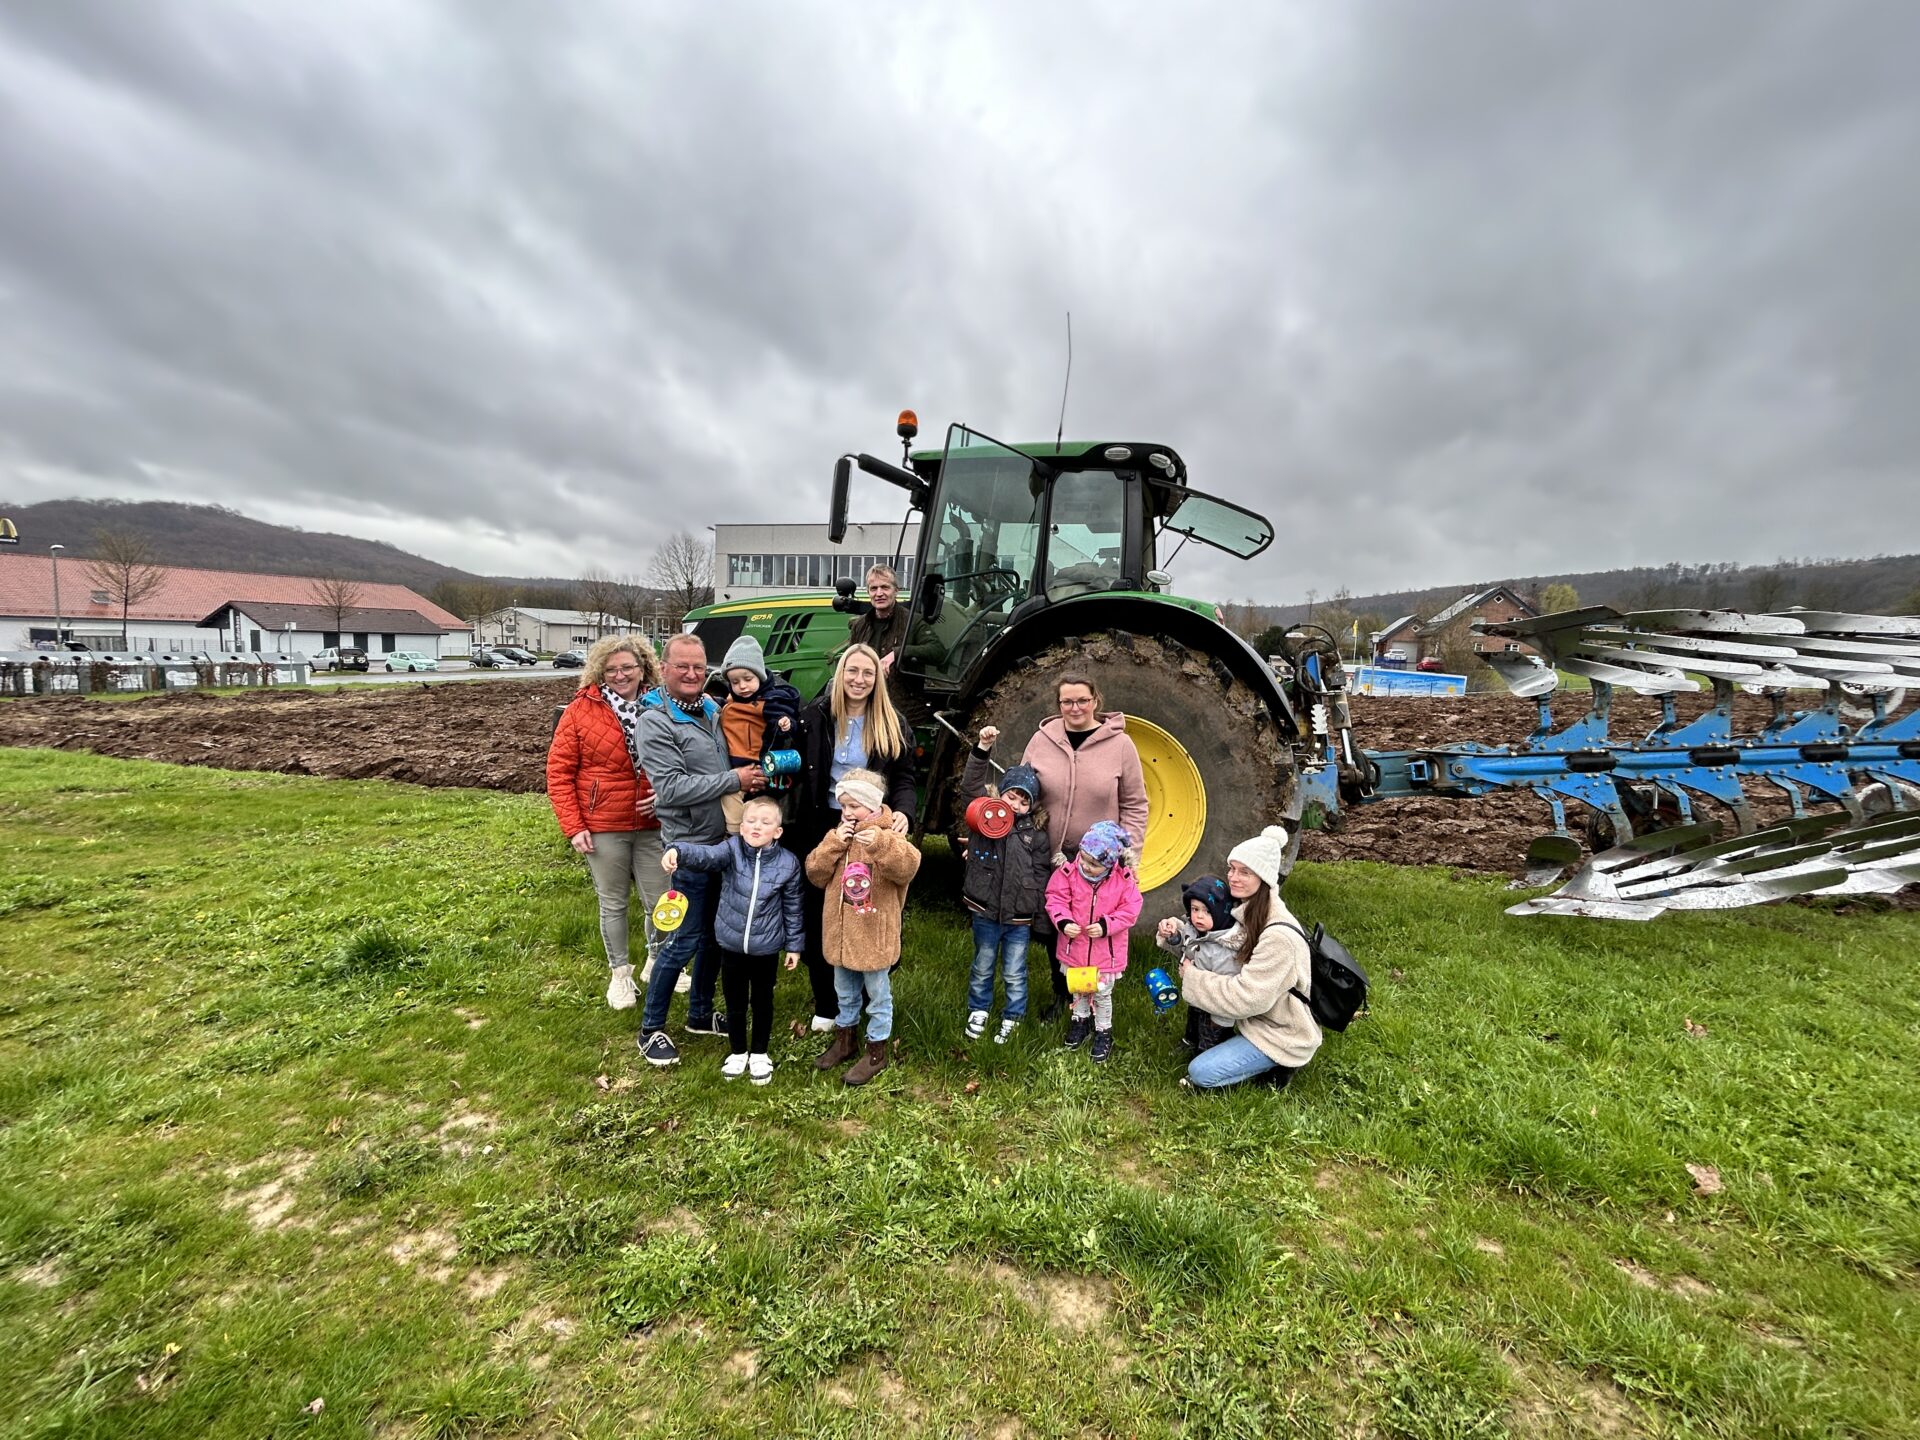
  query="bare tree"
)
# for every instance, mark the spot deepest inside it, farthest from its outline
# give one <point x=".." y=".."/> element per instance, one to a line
<point x="629" y="600"/>
<point x="683" y="568"/>
<point x="337" y="596"/>
<point x="1768" y="590"/>
<point x="123" y="566"/>
<point x="599" y="596"/>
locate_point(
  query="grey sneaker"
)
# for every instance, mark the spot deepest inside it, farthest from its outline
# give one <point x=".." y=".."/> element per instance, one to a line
<point x="976" y="1024"/>
<point x="714" y="1024"/>
<point x="657" y="1049"/>
<point x="1102" y="1046"/>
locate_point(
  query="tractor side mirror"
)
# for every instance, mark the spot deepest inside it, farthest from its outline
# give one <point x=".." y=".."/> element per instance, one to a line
<point x="843" y="600"/>
<point x="837" y="515"/>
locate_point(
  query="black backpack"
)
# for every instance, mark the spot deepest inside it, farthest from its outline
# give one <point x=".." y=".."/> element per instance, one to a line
<point x="1339" y="991"/>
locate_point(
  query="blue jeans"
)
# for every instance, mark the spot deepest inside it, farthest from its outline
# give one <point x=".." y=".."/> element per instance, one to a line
<point x="1008" y="945"/>
<point x="693" y="941"/>
<point x="1229" y="1063"/>
<point x="876" y="988"/>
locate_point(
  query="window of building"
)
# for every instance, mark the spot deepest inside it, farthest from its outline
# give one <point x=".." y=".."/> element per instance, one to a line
<point x="99" y="597"/>
<point x="388" y="642"/>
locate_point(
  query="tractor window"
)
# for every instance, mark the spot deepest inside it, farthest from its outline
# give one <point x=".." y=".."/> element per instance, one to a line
<point x="981" y="545"/>
<point x="1086" y="539"/>
<point x="1217" y="522"/>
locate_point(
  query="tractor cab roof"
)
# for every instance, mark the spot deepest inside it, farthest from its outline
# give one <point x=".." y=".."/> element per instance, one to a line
<point x="1171" y="503"/>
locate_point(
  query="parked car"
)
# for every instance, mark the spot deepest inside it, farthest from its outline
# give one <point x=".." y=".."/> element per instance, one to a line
<point x="340" y="657"/>
<point x="410" y="660"/>
<point x="1431" y="665"/>
<point x="485" y="657"/>
<point x="516" y="654"/>
<point x="570" y="660"/>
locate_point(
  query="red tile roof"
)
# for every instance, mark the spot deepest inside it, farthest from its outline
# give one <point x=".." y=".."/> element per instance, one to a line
<point x="185" y="596"/>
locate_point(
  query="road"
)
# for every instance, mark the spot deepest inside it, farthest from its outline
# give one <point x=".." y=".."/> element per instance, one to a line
<point x="449" y="670"/>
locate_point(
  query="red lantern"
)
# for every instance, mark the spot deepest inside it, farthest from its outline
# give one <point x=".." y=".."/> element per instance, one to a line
<point x="990" y="817"/>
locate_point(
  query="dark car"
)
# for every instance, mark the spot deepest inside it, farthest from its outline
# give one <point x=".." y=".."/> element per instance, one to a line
<point x="570" y="660"/>
<point x="515" y="655"/>
<point x="484" y="658"/>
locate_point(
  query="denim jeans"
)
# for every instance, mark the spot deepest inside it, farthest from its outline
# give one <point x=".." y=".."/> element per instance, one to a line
<point x="876" y="986"/>
<point x="1229" y="1063"/>
<point x="1006" y="944"/>
<point x="692" y="942"/>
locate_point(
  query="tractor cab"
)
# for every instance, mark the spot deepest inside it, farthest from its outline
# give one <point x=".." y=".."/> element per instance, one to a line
<point x="1007" y="532"/>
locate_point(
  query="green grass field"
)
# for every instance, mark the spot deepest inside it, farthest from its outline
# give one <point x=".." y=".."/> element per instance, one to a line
<point x="308" y="1093"/>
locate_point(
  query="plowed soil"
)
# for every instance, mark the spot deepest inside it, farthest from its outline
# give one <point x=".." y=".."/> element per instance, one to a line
<point x="494" y="736"/>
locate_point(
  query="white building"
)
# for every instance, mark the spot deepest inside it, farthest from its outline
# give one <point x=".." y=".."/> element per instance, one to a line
<point x="753" y="560"/>
<point x="539" y="628"/>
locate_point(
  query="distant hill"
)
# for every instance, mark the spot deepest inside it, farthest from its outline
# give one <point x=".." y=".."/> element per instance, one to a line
<point x="1885" y="584"/>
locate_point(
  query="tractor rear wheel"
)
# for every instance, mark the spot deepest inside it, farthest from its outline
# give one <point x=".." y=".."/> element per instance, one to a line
<point x="1217" y="766"/>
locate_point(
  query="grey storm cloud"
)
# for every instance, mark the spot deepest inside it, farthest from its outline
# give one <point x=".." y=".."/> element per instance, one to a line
<point x="1450" y="291"/>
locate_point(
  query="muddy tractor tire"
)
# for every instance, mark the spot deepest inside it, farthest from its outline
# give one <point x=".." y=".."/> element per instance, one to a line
<point x="1216" y="763"/>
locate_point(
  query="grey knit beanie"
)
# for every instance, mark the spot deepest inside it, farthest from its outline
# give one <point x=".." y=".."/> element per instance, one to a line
<point x="745" y="654"/>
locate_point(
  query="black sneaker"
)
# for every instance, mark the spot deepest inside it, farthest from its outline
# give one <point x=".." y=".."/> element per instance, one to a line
<point x="1102" y="1046"/>
<point x="657" y="1049"/>
<point x="714" y="1024"/>
<point x="1078" y="1031"/>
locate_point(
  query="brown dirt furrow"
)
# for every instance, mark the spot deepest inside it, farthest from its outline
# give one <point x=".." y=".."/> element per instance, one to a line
<point x="494" y="736"/>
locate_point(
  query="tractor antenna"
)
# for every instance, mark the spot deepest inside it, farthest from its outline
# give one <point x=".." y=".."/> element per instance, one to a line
<point x="1063" y="386"/>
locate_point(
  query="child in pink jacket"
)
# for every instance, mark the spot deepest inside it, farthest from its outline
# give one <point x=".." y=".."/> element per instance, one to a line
<point x="1093" y="902"/>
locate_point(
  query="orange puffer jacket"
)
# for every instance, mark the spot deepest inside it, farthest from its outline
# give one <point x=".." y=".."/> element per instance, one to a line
<point x="591" y="779"/>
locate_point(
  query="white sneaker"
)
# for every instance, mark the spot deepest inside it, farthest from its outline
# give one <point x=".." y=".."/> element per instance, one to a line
<point x="976" y="1024"/>
<point x="684" y="983"/>
<point x="1007" y="1027"/>
<point x="620" y="991"/>
<point x="760" y="1068"/>
<point x="822" y="1024"/>
<point x="734" y="1066"/>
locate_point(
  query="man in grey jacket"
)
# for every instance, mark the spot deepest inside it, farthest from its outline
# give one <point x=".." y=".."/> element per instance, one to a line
<point x="685" y="757"/>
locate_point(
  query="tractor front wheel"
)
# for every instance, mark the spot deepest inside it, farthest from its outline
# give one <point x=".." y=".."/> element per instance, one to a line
<point x="1216" y="765"/>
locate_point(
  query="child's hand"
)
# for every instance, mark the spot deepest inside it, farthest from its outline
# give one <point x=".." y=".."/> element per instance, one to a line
<point x="1097" y="929"/>
<point x="844" y="830"/>
<point x="1167" y="929"/>
<point x="793" y="958"/>
<point x="1070" y="930"/>
<point x="988" y="734"/>
<point x="864" y="837"/>
<point x="785" y="725"/>
<point x="670" y="861"/>
<point x="1060" y="861"/>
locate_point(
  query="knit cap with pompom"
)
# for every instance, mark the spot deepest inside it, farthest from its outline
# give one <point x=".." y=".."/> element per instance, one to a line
<point x="1264" y="854"/>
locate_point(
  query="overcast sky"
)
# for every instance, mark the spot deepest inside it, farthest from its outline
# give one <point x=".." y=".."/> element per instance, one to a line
<point x="1450" y="291"/>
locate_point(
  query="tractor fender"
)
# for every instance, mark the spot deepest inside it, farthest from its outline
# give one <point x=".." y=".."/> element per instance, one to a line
<point x="1130" y="613"/>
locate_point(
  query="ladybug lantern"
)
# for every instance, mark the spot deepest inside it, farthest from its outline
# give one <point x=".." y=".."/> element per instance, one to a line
<point x="991" y="817"/>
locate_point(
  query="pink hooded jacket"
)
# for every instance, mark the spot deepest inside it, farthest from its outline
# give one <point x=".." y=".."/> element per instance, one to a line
<point x="1114" y="901"/>
<point x="1102" y="780"/>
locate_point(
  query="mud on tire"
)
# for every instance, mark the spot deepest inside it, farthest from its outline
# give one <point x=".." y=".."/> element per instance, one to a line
<point x="1244" y="763"/>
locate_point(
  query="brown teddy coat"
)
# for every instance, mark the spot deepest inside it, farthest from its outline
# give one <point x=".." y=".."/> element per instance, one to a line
<point x="872" y="941"/>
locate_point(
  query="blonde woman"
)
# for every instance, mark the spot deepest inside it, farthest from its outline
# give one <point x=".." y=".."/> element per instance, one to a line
<point x="601" y="797"/>
<point x="852" y="726"/>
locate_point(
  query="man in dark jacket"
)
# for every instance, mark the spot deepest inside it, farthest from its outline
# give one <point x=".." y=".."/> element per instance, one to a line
<point x="685" y="756"/>
<point x="1005" y="887"/>
<point x="884" y="626"/>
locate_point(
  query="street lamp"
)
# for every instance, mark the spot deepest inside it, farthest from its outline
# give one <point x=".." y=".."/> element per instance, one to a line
<point x="54" y="551"/>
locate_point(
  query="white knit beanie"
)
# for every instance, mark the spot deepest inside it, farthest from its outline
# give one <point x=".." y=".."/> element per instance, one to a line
<point x="1264" y="854"/>
<point x="863" y="787"/>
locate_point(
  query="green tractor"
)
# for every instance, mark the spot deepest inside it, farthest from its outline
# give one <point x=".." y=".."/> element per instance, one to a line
<point x="1036" y="559"/>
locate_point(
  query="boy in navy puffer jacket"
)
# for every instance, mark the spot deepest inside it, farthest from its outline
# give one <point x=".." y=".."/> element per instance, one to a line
<point x="758" y="921"/>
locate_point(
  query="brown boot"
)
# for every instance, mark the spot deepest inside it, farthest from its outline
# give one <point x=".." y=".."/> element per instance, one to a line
<point x="841" y="1049"/>
<point x="869" y="1064"/>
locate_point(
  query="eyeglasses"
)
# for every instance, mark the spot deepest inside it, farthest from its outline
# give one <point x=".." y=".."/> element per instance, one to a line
<point x="622" y="670"/>
<point x="1074" y="704"/>
<point x="690" y="667"/>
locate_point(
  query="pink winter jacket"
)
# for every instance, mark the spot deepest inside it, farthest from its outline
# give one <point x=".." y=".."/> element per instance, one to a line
<point x="1114" y="901"/>
<point x="1101" y="780"/>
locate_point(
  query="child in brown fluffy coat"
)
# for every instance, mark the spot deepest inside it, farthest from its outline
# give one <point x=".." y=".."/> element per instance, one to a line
<point x="865" y="868"/>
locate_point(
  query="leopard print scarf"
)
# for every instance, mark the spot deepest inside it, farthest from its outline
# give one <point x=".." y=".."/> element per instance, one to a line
<point x="628" y="712"/>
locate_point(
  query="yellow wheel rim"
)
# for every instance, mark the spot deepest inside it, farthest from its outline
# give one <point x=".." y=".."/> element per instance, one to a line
<point x="1176" y="803"/>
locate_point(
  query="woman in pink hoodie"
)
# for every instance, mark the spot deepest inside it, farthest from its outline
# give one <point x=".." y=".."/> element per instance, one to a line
<point x="1094" y="902"/>
<point x="1089" y="772"/>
